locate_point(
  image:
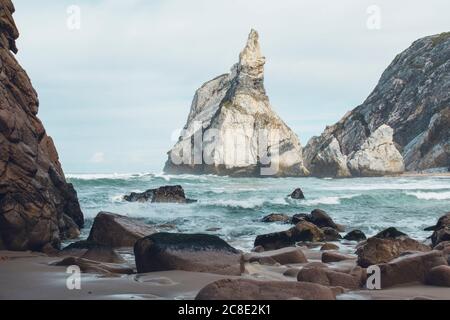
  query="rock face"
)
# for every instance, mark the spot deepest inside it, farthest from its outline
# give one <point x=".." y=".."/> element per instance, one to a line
<point x="409" y="104"/>
<point x="232" y="129"/>
<point x="244" y="289"/>
<point x="37" y="206"/>
<point x="113" y="230"/>
<point x="167" y="194"/>
<point x="188" y="252"/>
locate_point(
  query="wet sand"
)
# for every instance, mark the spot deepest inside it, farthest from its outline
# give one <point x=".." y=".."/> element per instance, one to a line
<point x="30" y="276"/>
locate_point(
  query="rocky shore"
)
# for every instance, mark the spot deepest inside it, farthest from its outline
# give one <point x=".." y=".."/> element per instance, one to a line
<point x="315" y="258"/>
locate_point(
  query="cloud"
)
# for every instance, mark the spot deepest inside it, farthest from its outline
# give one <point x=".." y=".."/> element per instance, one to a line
<point x="98" y="157"/>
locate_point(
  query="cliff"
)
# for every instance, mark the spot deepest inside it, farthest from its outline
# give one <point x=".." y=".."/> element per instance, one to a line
<point x="38" y="208"/>
<point x="412" y="99"/>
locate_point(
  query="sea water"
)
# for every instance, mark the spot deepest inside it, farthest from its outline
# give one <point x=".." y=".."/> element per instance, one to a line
<point x="236" y="205"/>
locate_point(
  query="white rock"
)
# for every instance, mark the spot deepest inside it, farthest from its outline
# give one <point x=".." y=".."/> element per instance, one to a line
<point x="377" y="156"/>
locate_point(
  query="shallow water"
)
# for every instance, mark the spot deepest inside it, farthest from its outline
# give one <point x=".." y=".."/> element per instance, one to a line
<point x="236" y="205"/>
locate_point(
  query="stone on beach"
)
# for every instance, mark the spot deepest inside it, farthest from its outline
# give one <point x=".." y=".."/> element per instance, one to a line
<point x="303" y="231"/>
<point x="113" y="230"/>
<point x="438" y="276"/>
<point x="244" y="289"/>
<point x="410" y="268"/>
<point x="441" y="230"/>
<point x="333" y="256"/>
<point x="328" y="277"/>
<point x="90" y="266"/>
<point x="374" y="250"/>
<point x="188" y="252"/>
<point x="282" y="256"/>
<point x="166" y="194"/>
<point x="329" y="246"/>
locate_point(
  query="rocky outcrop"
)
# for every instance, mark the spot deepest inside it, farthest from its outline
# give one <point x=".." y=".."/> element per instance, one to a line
<point x="410" y="103"/>
<point x="232" y="129"/>
<point x="245" y="289"/>
<point x="38" y="208"/>
<point x="297" y="194"/>
<point x="113" y="230"/>
<point x="166" y="194"/>
<point x="188" y="252"/>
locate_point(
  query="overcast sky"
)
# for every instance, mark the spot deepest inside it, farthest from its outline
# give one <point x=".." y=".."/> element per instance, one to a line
<point x="113" y="91"/>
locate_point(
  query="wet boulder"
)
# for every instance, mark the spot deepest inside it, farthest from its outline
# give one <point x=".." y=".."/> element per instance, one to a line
<point x="276" y="217"/>
<point x="282" y="256"/>
<point x="328" y="277"/>
<point x="333" y="256"/>
<point x="245" y="289"/>
<point x="113" y="230"/>
<point x="390" y="233"/>
<point x="166" y="194"/>
<point x="331" y="234"/>
<point x="438" y="276"/>
<point x="297" y="194"/>
<point x="188" y="252"/>
<point x="302" y="232"/>
<point x="355" y="235"/>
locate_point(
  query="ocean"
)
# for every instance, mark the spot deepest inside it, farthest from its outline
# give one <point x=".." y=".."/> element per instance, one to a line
<point x="236" y="205"/>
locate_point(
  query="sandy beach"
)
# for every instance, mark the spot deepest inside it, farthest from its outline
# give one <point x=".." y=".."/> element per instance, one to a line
<point x="30" y="276"/>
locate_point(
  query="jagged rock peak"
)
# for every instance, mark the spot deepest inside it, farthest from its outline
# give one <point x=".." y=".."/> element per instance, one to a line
<point x="251" y="60"/>
<point x="38" y="208"/>
<point x="230" y="114"/>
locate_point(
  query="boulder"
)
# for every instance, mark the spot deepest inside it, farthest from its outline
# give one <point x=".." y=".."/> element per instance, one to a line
<point x="188" y="252"/>
<point x="318" y="217"/>
<point x="390" y="233"/>
<point x="328" y="277"/>
<point x="331" y="234"/>
<point x="300" y="217"/>
<point x="245" y="289"/>
<point x="333" y="256"/>
<point x="438" y="276"/>
<point x="442" y="222"/>
<point x="410" y="268"/>
<point x="38" y="207"/>
<point x="297" y="194"/>
<point x="375" y="250"/>
<point x="167" y="194"/>
<point x="442" y="245"/>
<point x="282" y="256"/>
<point x="113" y="230"/>
<point x="276" y="217"/>
<point x="355" y="235"/>
<point x="329" y="246"/>
<point x="441" y="235"/>
<point x="103" y="254"/>
<point x="302" y="232"/>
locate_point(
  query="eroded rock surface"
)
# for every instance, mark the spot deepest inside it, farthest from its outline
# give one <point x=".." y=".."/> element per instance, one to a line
<point x="38" y="208"/>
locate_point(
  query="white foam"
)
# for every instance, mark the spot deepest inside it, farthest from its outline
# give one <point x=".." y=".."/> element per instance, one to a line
<point x="109" y="176"/>
<point x="328" y="200"/>
<point x="430" y="195"/>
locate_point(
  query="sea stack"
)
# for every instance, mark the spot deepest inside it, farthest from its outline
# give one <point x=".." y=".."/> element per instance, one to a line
<point x="403" y="124"/>
<point x="38" y="208"/>
<point x="232" y="129"/>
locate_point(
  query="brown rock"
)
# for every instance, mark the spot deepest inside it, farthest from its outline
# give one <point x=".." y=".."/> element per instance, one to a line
<point x="329" y="246"/>
<point x="442" y="245"/>
<point x="328" y="277"/>
<point x="297" y="194"/>
<point x="113" y="230"/>
<point x="331" y="234"/>
<point x="188" y="252"/>
<point x="276" y="217"/>
<point x="291" y="272"/>
<point x="303" y="231"/>
<point x="390" y="233"/>
<point x="103" y="254"/>
<point x="438" y="276"/>
<point x="410" y="268"/>
<point x="375" y="250"/>
<point x="281" y="256"/>
<point x="35" y="198"/>
<point x="243" y="289"/>
<point x="442" y="222"/>
<point x="333" y="256"/>
<point x="355" y="235"/>
<point x="167" y="194"/>
<point x="441" y="235"/>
